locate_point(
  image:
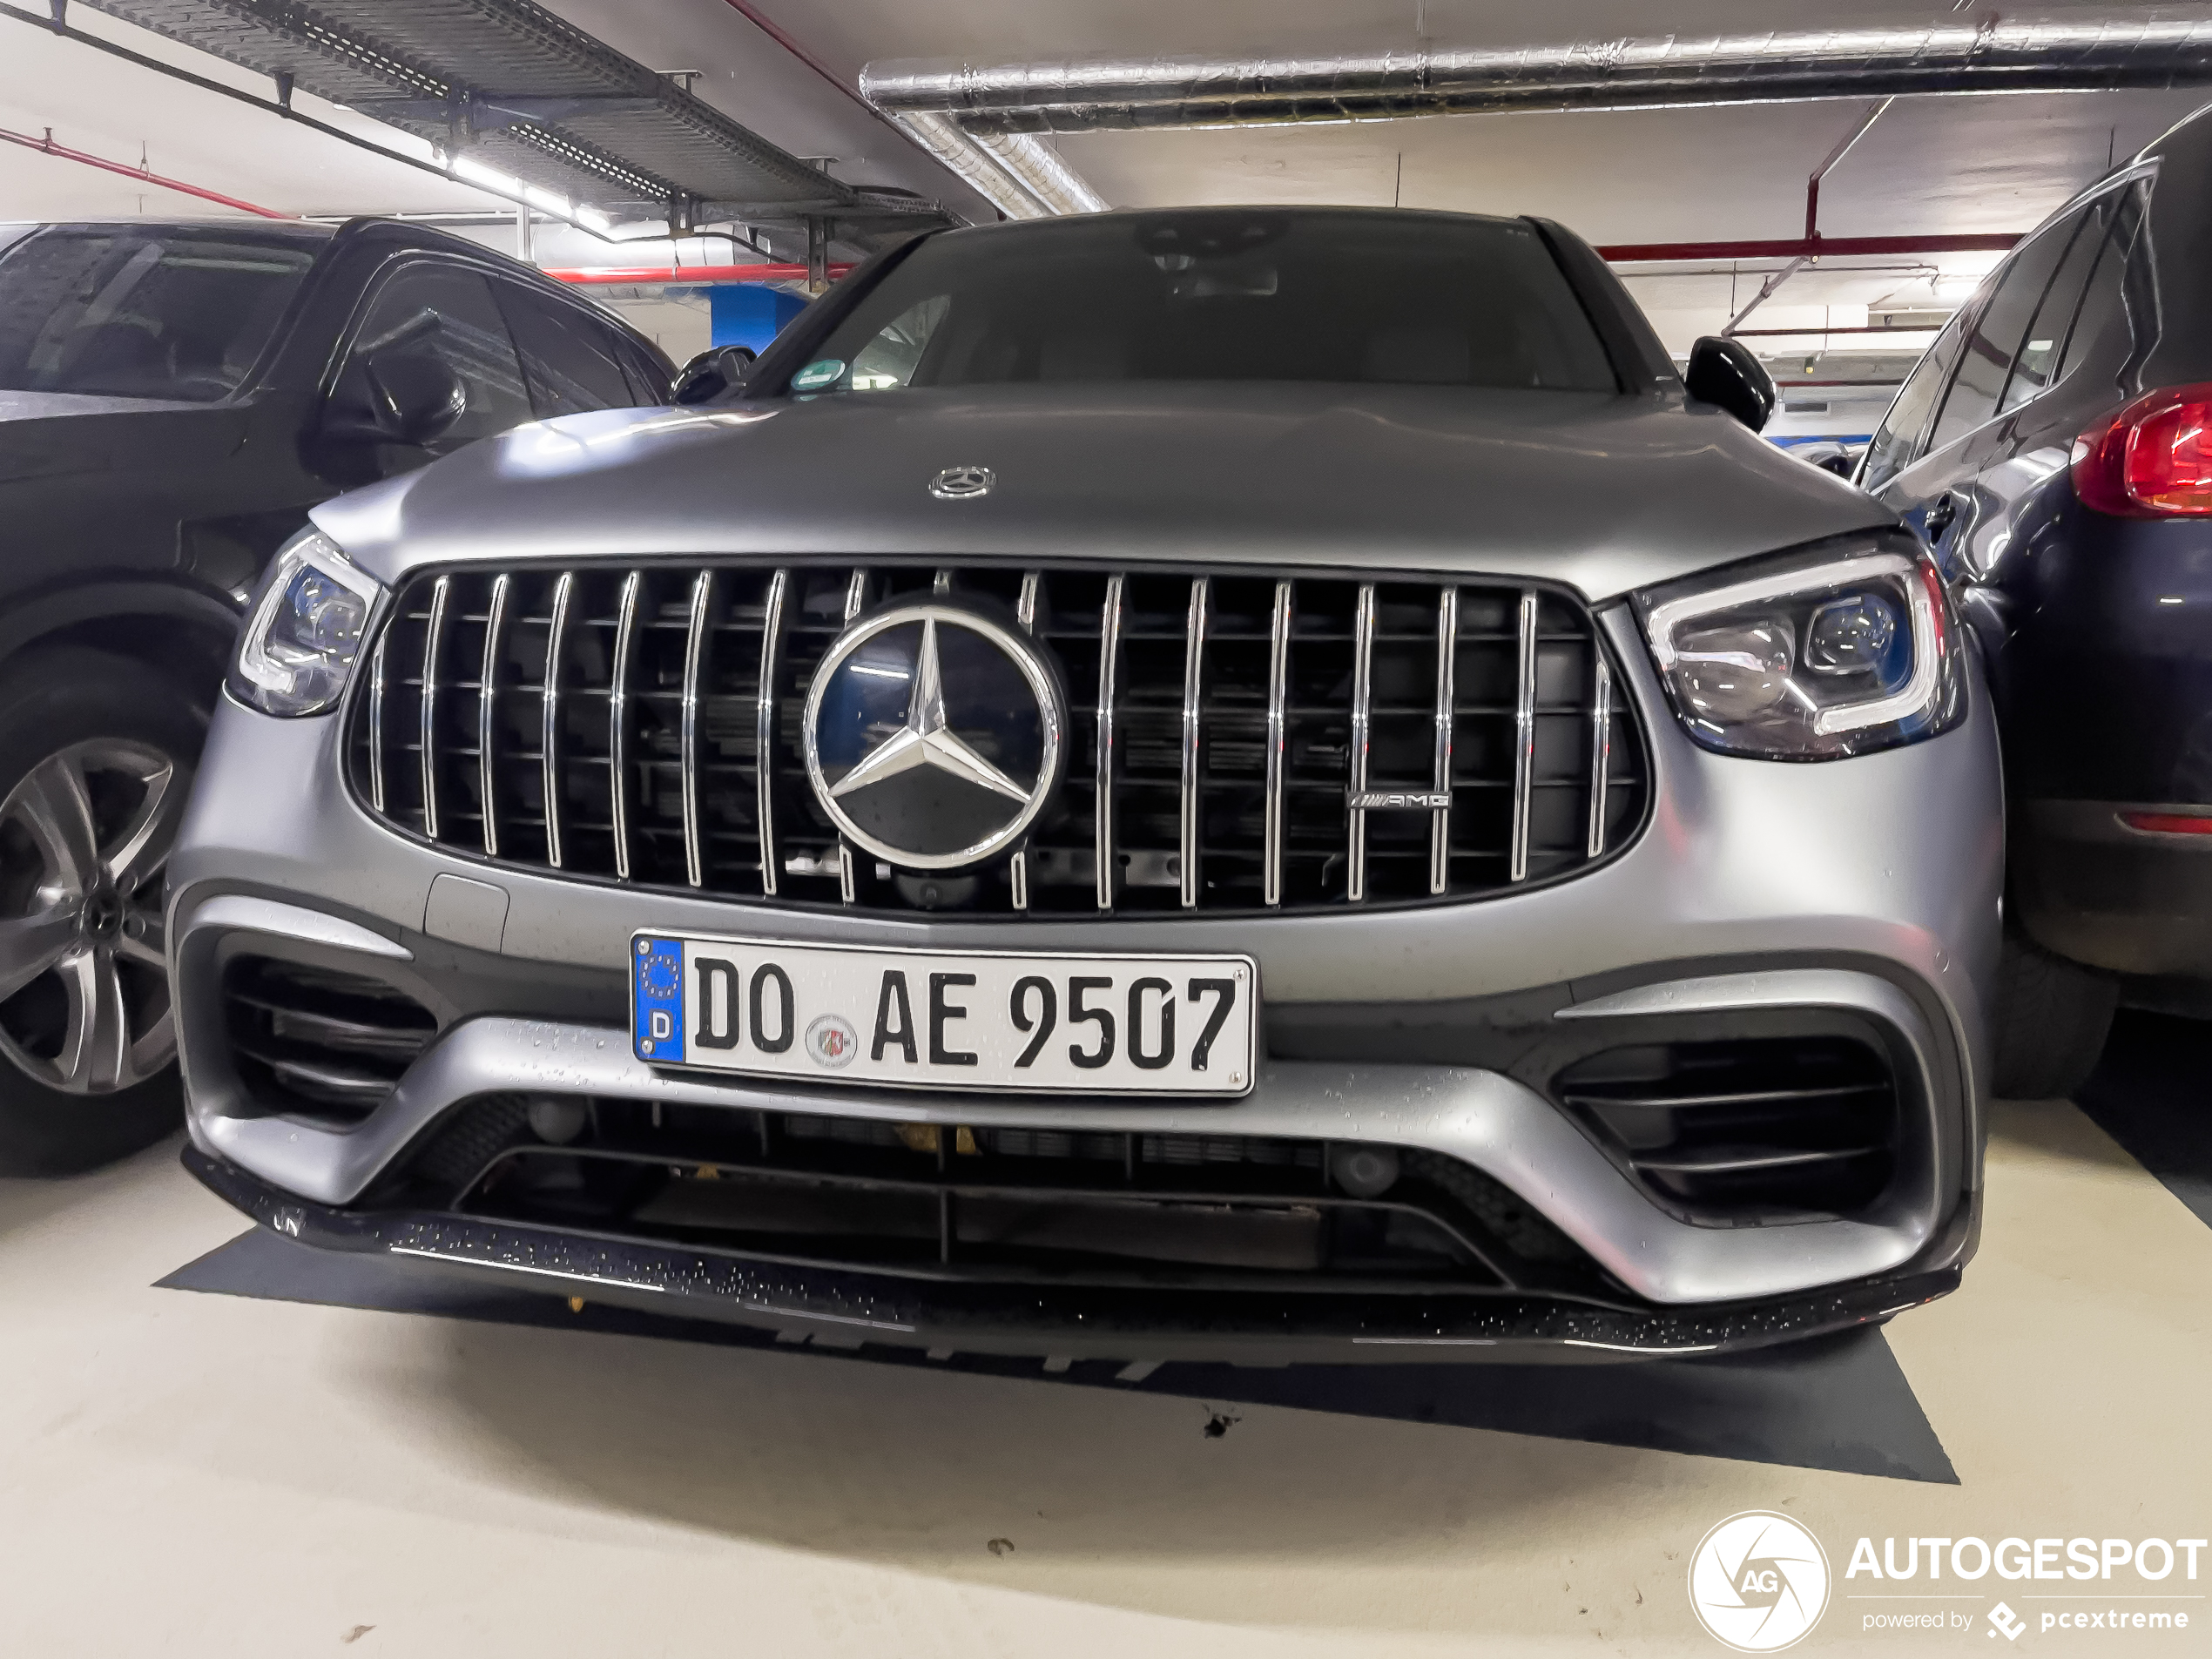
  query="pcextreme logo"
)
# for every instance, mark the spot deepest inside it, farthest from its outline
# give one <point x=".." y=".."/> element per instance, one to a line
<point x="1758" y="1581"/>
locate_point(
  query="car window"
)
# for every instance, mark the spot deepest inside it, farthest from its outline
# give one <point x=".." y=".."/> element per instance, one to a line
<point x="1897" y="443"/>
<point x="891" y="358"/>
<point x="2000" y="326"/>
<point x="570" y="360"/>
<point x="1221" y="295"/>
<point x="650" y="385"/>
<point x="2104" y="301"/>
<point x="435" y="314"/>
<point x="174" y="313"/>
<point x="2038" y="354"/>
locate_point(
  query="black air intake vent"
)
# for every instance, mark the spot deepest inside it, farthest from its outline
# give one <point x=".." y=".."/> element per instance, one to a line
<point x="313" y="1040"/>
<point x="615" y="724"/>
<point x="1756" y="1129"/>
<point x="986" y="1204"/>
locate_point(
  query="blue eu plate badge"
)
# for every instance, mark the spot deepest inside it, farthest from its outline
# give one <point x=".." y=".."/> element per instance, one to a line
<point x="657" y="999"/>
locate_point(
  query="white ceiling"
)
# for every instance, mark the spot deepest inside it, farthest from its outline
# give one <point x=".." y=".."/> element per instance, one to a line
<point x="1931" y="164"/>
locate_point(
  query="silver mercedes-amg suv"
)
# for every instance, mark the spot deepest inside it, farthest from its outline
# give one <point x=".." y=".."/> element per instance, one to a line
<point x="1228" y="783"/>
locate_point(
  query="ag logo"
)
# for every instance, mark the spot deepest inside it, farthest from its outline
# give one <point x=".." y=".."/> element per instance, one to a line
<point x="1758" y="1581"/>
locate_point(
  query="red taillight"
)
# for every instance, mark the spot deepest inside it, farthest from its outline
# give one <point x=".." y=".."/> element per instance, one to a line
<point x="2168" y="823"/>
<point x="2152" y="460"/>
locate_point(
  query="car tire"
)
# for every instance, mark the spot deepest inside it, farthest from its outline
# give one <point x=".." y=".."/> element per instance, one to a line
<point x="97" y="754"/>
<point x="2052" y="1017"/>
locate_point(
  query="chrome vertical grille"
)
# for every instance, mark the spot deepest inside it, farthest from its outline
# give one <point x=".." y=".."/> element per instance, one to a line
<point x="763" y="727"/>
<point x="1234" y="741"/>
<point x="1439" y="817"/>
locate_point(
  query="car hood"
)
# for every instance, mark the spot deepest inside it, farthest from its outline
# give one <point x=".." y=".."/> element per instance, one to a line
<point x="46" y="434"/>
<point x="1601" y="492"/>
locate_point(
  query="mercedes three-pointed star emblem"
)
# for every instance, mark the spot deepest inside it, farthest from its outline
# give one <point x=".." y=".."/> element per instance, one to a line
<point x="933" y="733"/>
<point x="927" y="740"/>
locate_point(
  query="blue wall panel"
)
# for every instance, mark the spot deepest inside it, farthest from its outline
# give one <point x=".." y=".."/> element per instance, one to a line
<point x="745" y="314"/>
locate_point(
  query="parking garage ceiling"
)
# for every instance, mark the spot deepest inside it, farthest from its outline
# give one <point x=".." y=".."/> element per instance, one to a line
<point x="759" y="125"/>
<point x="510" y="85"/>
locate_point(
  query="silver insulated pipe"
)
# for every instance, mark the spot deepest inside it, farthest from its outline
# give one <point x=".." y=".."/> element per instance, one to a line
<point x="1101" y="95"/>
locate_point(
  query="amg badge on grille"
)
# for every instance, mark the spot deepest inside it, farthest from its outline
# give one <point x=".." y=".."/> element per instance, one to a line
<point x="933" y="735"/>
<point x="1397" y="800"/>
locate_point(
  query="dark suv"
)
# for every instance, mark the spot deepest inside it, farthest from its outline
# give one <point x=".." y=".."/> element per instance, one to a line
<point x="173" y="399"/>
<point x="2053" y="448"/>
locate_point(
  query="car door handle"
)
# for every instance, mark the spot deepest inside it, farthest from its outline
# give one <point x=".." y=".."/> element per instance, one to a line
<point x="1939" y="519"/>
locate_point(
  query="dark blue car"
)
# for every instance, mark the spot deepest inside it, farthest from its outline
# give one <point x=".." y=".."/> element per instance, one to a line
<point x="2053" y="448"/>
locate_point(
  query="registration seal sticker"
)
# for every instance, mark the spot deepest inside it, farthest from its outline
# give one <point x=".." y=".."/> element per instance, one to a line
<point x="832" y="1041"/>
<point x="657" y="999"/>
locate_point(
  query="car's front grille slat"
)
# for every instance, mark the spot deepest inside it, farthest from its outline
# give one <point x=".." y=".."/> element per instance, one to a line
<point x="550" y="773"/>
<point x="764" y="730"/>
<point x="375" y="717"/>
<point x="618" y="720"/>
<point x="427" y="704"/>
<point x="487" y="710"/>
<point x="1232" y="742"/>
<point x="1279" y="681"/>
<point x="1524" y="735"/>
<point x="1194" y="646"/>
<point x="1363" y="658"/>
<point x="1440" y="820"/>
<point x="1600" y="752"/>
<point x="695" y="648"/>
<point x="1103" y="851"/>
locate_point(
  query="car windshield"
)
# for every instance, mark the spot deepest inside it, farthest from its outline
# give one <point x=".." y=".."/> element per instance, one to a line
<point x="141" y="313"/>
<point x="1341" y="296"/>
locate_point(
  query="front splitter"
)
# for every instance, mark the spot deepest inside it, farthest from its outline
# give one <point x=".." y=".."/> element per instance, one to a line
<point x="1027" y="1320"/>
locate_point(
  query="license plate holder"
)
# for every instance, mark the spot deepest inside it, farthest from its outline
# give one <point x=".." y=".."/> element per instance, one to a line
<point x="1055" y="1022"/>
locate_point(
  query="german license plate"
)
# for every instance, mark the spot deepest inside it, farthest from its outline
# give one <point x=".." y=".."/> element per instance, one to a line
<point x="949" y="1019"/>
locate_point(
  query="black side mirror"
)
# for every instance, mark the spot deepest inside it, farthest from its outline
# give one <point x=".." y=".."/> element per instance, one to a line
<point x="1724" y="373"/>
<point x="1842" y="465"/>
<point x="722" y="369"/>
<point x="414" y="399"/>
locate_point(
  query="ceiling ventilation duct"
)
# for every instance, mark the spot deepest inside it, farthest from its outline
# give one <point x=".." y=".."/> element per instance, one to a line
<point x="1015" y="171"/>
<point x="981" y="113"/>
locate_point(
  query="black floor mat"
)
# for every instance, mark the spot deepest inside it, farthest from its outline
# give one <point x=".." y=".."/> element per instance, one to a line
<point x="1834" y="1403"/>
<point x="2153" y="1094"/>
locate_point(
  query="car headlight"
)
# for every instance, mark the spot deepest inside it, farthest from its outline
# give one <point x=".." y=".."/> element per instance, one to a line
<point x="1811" y="657"/>
<point x="304" y="630"/>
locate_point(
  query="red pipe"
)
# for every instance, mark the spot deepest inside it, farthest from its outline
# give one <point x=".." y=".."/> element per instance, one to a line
<point x="1869" y="328"/>
<point x="46" y="146"/>
<point x="1801" y="248"/>
<point x="647" y="274"/>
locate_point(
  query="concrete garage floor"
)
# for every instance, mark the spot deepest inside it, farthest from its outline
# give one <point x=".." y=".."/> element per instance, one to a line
<point x="189" y="1473"/>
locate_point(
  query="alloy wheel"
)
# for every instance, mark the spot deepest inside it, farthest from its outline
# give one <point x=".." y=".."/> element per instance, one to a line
<point x="84" y="1004"/>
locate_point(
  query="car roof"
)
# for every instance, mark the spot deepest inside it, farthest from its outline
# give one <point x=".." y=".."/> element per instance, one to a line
<point x="281" y="231"/>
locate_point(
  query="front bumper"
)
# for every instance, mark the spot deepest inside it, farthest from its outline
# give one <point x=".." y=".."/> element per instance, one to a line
<point x="1865" y="889"/>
